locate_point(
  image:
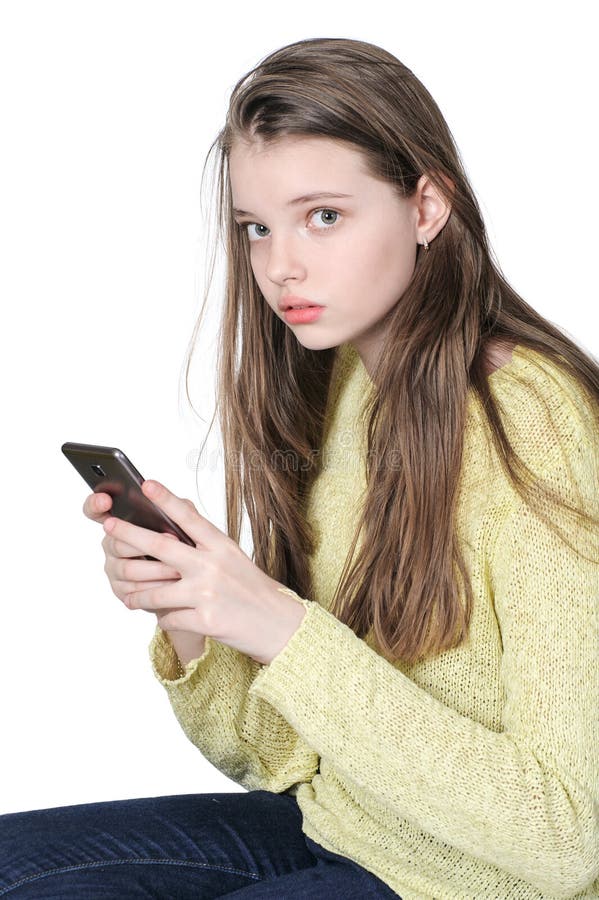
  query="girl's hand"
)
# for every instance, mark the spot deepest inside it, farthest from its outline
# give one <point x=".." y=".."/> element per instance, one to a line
<point x="128" y="573"/>
<point x="220" y="591"/>
<point x="125" y="570"/>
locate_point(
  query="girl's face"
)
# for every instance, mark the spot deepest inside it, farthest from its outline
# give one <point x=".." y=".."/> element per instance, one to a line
<point x="354" y="254"/>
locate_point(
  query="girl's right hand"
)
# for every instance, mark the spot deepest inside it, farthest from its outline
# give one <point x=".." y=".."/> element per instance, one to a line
<point x="127" y="571"/>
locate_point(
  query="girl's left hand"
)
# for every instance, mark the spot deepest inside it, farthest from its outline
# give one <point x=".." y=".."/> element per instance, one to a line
<point x="221" y="592"/>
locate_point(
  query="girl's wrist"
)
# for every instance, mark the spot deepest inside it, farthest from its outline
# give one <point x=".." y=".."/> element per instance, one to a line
<point x="187" y="647"/>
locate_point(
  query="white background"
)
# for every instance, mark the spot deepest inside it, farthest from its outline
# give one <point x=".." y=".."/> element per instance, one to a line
<point x="107" y="111"/>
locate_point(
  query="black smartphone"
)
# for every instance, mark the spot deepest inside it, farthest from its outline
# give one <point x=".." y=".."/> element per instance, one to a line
<point x="107" y="470"/>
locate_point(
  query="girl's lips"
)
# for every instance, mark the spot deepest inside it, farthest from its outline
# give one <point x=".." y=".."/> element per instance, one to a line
<point x="303" y="316"/>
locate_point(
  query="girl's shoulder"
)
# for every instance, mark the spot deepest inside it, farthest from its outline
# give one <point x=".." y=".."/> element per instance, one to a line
<point x="531" y="383"/>
<point x="547" y="412"/>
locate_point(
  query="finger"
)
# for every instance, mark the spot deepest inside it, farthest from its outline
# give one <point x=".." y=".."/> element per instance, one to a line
<point x="184" y="513"/>
<point x="166" y="534"/>
<point x="117" y="548"/>
<point x="143" y="570"/>
<point x="125" y="588"/>
<point x="167" y="597"/>
<point x="151" y="543"/>
<point x="96" y="506"/>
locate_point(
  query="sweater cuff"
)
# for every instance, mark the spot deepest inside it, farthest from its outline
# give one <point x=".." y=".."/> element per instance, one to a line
<point x="282" y="682"/>
<point x="165" y="662"/>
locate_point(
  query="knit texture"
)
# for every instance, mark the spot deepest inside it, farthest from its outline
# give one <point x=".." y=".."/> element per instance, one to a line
<point x="473" y="774"/>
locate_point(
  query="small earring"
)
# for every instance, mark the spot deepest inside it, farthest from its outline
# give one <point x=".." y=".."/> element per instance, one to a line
<point x="424" y="242"/>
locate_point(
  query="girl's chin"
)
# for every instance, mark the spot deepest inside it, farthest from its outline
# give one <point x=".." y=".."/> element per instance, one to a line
<point x="314" y="342"/>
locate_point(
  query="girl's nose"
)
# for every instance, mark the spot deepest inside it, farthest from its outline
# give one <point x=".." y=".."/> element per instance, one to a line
<point x="285" y="259"/>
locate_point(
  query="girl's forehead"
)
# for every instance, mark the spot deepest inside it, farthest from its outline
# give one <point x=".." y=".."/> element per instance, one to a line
<point x="305" y="164"/>
<point x="306" y="145"/>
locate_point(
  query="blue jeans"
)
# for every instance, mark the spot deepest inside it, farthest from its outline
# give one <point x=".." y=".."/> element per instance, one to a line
<point x="245" y="845"/>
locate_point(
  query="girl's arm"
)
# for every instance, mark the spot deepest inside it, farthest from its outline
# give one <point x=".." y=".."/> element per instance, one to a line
<point x="243" y="736"/>
<point x="187" y="646"/>
<point x="523" y="799"/>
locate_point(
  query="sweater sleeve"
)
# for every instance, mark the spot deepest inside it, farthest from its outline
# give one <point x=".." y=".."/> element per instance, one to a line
<point x="524" y="799"/>
<point x="242" y="735"/>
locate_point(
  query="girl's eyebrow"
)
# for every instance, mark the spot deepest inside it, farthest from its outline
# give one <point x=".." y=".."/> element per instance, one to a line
<point x="315" y="195"/>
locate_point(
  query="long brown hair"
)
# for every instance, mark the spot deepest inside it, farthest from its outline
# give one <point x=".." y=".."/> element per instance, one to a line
<point x="409" y="582"/>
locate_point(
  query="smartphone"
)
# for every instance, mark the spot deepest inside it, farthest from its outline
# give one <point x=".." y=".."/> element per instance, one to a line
<point x="107" y="470"/>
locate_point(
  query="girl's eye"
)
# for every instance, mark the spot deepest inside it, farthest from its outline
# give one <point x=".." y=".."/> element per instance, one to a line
<point x="251" y="233"/>
<point x="255" y="231"/>
<point x="327" y="212"/>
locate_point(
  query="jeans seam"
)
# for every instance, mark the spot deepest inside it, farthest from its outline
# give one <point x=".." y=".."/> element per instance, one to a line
<point x="187" y="863"/>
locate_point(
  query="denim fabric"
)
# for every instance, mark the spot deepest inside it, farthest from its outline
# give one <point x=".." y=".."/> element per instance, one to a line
<point x="243" y="845"/>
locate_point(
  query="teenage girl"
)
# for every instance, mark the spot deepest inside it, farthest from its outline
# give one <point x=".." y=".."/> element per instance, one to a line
<point x="405" y="676"/>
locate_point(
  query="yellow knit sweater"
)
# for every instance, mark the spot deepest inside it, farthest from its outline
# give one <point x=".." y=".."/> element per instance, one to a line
<point x="473" y="774"/>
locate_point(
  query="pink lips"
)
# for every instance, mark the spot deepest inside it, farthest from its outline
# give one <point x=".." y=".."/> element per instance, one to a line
<point x="288" y="305"/>
<point x="303" y="316"/>
<point x="294" y="300"/>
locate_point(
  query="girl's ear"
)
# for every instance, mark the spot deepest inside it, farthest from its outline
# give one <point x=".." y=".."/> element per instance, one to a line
<point x="433" y="209"/>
